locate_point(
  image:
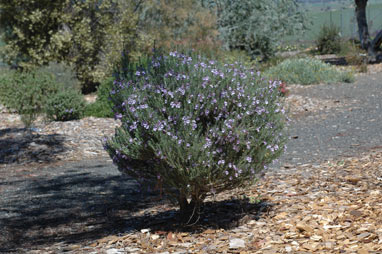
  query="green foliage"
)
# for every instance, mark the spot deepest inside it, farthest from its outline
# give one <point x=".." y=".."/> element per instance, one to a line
<point x="306" y="71"/>
<point x="87" y="34"/>
<point x="102" y="107"/>
<point x="329" y="40"/>
<point x="257" y="26"/>
<point x="194" y="127"/>
<point x="26" y="93"/>
<point x="177" y="23"/>
<point x="101" y="28"/>
<point x="63" y="74"/>
<point x="32" y="32"/>
<point x="65" y="105"/>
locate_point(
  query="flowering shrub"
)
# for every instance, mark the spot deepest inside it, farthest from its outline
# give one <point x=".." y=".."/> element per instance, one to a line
<point x="65" y="105"/>
<point x="306" y="71"/>
<point x="195" y="127"/>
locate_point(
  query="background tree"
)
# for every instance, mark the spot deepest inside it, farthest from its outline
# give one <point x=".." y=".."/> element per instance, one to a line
<point x="33" y="32"/>
<point x="85" y="34"/>
<point x="363" y="30"/>
<point x="257" y="26"/>
<point x="180" y="22"/>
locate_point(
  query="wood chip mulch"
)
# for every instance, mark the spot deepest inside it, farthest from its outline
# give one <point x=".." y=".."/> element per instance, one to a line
<point x="331" y="208"/>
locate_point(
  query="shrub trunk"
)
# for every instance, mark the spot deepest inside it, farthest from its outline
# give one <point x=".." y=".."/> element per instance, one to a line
<point x="189" y="210"/>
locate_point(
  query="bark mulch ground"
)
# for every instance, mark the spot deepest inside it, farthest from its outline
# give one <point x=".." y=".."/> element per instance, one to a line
<point x="324" y="196"/>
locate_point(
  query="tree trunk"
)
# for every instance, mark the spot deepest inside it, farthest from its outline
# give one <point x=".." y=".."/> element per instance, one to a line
<point x="363" y="29"/>
<point x="376" y="43"/>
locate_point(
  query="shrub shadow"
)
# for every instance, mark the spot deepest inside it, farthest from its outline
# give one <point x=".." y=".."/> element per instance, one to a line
<point x="81" y="207"/>
<point x="226" y="214"/>
<point x="18" y="145"/>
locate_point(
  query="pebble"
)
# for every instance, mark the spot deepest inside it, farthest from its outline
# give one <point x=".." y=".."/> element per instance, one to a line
<point x="236" y="243"/>
<point x="115" y="251"/>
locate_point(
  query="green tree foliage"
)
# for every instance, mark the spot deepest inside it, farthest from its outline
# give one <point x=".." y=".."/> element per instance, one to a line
<point x="33" y="32"/>
<point x="182" y="22"/>
<point x="257" y="26"/>
<point x="88" y="34"/>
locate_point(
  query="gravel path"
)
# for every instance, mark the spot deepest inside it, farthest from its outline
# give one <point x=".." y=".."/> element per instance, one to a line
<point x="80" y="202"/>
<point x="342" y="132"/>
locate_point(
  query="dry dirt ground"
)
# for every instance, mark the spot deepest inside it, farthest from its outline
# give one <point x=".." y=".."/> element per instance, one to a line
<point x="88" y="207"/>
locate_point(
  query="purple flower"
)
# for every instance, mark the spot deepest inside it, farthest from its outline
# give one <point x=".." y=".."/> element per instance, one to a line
<point x="118" y="116"/>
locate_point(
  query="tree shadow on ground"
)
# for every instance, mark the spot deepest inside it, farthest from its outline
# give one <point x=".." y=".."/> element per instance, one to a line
<point x="18" y="145"/>
<point x="81" y="207"/>
<point x="341" y="61"/>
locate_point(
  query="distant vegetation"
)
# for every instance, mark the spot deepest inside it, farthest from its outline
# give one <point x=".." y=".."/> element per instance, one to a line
<point x="340" y="14"/>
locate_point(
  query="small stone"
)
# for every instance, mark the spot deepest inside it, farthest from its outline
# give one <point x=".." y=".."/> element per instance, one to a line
<point x="145" y="230"/>
<point x="154" y="237"/>
<point x="375" y="192"/>
<point x="131" y="249"/>
<point x="236" y="243"/>
<point x="114" y="251"/>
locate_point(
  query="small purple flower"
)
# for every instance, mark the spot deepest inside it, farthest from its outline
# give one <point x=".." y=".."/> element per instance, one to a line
<point x="145" y="125"/>
<point x="118" y="116"/>
<point x="206" y="78"/>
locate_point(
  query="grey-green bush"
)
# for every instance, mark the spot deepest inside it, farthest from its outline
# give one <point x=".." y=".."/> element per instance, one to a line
<point x="257" y="26"/>
<point x="26" y="93"/>
<point x="306" y="71"/>
<point x="195" y="127"/>
<point x="65" y="105"/>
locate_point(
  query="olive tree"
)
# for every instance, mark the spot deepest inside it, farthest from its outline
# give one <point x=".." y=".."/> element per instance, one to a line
<point x="257" y="26"/>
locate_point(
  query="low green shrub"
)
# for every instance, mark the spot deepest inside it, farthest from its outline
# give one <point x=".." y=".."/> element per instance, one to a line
<point x="102" y="107"/>
<point x="65" y="105"/>
<point x="306" y="71"/>
<point x="194" y="127"/>
<point x="26" y="93"/>
<point x="329" y="40"/>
